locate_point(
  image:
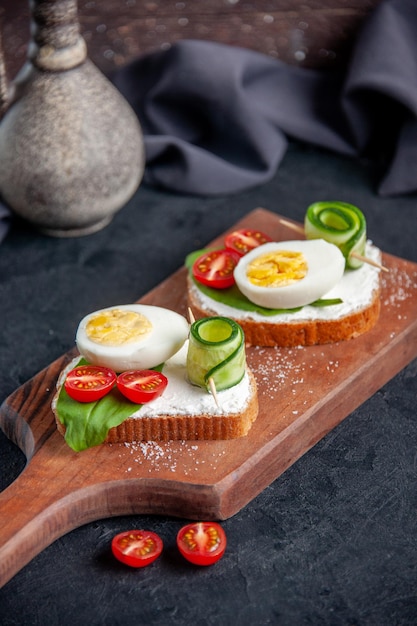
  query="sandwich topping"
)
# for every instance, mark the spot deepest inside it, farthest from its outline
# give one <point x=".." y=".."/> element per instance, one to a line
<point x="116" y="327"/>
<point x="277" y="268"/>
<point x="131" y="336"/>
<point x="290" y="281"/>
<point x="340" y="223"/>
<point x="353" y="292"/>
<point x="216" y="351"/>
<point x="289" y="274"/>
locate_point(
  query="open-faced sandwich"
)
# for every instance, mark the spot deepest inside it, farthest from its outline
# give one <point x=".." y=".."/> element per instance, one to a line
<point x="320" y="289"/>
<point x="145" y="374"/>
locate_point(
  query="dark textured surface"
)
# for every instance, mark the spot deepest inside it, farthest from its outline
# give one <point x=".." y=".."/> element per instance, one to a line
<point x="332" y="541"/>
<point x="309" y="33"/>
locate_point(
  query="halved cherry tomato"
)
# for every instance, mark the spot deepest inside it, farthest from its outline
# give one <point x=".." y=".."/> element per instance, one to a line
<point x="141" y="386"/>
<point x="202" y="543"/>
<point x="244" y="240"/>
<point x="89" y="383"/>
<point x="137" y="548"/>
<point x="215" y="268"/>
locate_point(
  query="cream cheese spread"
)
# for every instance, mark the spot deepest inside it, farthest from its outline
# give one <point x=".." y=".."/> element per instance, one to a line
<point x="182" y="398"/>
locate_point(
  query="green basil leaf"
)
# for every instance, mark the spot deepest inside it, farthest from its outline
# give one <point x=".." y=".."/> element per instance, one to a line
<point x="327" y="302"/>
<point x="87" y="423"/>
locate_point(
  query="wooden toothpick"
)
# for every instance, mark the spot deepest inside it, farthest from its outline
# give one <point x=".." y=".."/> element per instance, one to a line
<point x="191" y="316"/>
<point x="213" y="390"/>
<point x="365" y="259"/>
<point x="299" y="229"/>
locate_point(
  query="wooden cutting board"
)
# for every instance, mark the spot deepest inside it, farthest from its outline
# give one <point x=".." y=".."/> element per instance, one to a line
<point x="303" y="394"/>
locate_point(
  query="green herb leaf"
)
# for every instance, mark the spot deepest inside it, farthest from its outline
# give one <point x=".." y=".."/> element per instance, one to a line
<point x="87" y="423"/>
<point x="326" y="302"/>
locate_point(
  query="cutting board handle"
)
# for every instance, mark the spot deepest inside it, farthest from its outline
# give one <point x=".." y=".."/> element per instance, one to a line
<point x="29" y="519"/>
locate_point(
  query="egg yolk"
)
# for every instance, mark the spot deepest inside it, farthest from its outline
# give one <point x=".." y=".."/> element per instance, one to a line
<point x="117" y="327"/>
<point x="277" y="269"/>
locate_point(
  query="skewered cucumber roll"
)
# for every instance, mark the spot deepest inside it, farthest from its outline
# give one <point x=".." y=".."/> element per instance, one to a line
<point x="216" y="351"/>
<point x="339" y="223"/>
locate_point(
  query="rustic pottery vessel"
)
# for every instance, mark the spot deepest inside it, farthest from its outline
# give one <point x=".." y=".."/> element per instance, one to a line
<point x="71" y="148"/>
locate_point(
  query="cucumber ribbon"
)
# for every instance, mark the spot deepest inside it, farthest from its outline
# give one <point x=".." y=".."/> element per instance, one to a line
<point x="216" y="351"/>
<point x="339" y="223"/>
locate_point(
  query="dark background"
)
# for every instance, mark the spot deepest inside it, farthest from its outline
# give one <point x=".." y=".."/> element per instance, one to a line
<point x="310" y="33"/>
<point x="332" y="541"/>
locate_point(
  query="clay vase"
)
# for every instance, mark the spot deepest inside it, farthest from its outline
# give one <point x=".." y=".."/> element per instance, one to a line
<point x="71" y="148"/>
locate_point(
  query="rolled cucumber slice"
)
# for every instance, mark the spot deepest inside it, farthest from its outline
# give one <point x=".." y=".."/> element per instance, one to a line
<point x="340" y="223"/>
<point x="216" y="350"/>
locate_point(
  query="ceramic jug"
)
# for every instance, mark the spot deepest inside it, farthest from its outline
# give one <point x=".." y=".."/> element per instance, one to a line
<point x="71" y="148"/>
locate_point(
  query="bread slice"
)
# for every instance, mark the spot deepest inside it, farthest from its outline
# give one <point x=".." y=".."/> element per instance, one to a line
<point x="184" y="412"/>
<point x="358" y="313"/>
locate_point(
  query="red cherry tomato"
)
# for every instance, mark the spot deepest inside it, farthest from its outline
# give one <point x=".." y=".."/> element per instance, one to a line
<point x="88" y="383"/>
<point x="215" y="268"/>
<point x="137" y="548"/>
<point x="244" y="240"/>
<point x="141" y="386"/>
<point x="202" y="543"/>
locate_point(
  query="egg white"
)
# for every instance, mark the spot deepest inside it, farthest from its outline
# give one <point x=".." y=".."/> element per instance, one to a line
<point x="169" y="332"/>
<point x="326" y="266"/>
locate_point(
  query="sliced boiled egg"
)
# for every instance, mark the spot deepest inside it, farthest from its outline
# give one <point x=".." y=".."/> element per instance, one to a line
<point x="131" y="336"/>
<point x="289" y="274"/>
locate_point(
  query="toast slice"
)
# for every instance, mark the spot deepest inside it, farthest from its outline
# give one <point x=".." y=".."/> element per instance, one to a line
<point x="358" y="312"/>
<point x="183" y="412"/>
